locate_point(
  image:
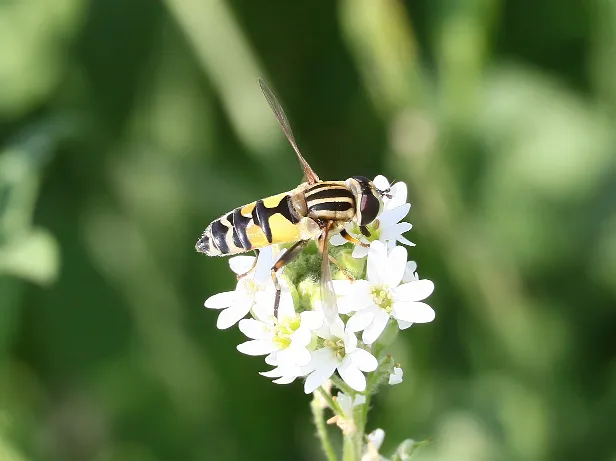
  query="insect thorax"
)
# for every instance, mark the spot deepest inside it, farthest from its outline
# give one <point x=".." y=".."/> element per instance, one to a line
<point x="330" y="200"/>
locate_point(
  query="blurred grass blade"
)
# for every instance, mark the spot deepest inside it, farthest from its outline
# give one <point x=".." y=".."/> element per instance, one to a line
<point x="232" y="66"/>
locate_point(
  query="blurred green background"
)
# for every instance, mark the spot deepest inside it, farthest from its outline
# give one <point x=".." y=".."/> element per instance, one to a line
<point x="126" y="126"/>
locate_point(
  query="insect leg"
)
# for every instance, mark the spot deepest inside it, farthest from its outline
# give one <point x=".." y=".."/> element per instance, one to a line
<point x="345" y="235"/>
<point x="364" y="230"/>
<point x="341" y="269"/>
<point x="286" y="258"/>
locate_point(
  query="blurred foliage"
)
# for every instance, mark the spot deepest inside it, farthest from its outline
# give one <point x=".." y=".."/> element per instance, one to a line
<point x="126" y="126"/>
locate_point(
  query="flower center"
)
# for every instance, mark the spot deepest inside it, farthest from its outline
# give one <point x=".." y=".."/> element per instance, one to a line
<point x="336" y="345"/>
<point x="283" y="330"/>
<point x="382" y="297"/>
<point x="249" y="287"/>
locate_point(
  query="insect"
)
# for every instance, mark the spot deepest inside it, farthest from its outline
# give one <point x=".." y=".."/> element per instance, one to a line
<point x="313" y="210"/>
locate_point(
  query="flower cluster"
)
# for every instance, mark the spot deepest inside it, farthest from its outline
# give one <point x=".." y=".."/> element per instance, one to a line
<point x="377" y="294"/>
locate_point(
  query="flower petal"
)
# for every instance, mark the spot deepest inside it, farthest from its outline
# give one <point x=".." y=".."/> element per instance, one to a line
<point x="255" y="329"/>
<point x="359" y="252"/>
<point x="417" y="290"/>
<point x="284" y="380"/>
<point x="302" y="336"/>
<point x="234" y="314"/>
<point x="377" y="261"/>
<point x="374" y="330"/>
<point x="364" y="360"/>
<point x="263" y="268"/>
<point x="257" y="347"/>
<point x="241" y="264"/>
<point x="352" y="376"/>
<point x="220" y="300"/>
<point x="396" y="264"/>
<point x="395" y="231"/>
<point x="404" y="240"/>
<point x="324" y="367"/>
<point x="413" y="312"/>
<point x="393" y="215"/>
<point x="404" y="325"/>
<point x="399" y="193"/>
<point x="312" y="320"/>
<point x="360" y="320"/>
<point x="381" y="182"/>
<point x="337" y="240"/>
<point x="409" y="272"/>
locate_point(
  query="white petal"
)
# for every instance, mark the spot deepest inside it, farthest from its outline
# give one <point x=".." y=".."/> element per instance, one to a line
<point x="302" y="336"/>
<point x="394" y="215"/>
<point x="293" y="356"/>
<point x="257" y="347"/>
<point x="404" y="325"/>
<point x="352" y="376"/>
<point x="326" y="367"/>
<point x="271" y="359"/>
<point x="376" y="438"/>
<point x="311" y="319"/>
<point x="399" y="193"/>
<point x="396" y="264"/>
<point x="377" y="260"/>
<point x="346" y="404"/>
<point x="343" y="287"/>
<point x="409" y="272"/>
<point x="255" y="329"/>
<point x="404" y="240"/>
<point x="413" y="312"/>
<point x="359" y="298"/>
<point x="360" y="320"/>
<point x="337" y="240"/>
<point x="350" y="342"/>
<point x="359" y="252"/>
<point x="263" y="269"/>
<point x="395" y="232"/>
<point x="241" y="264"/>
<point x="273" y="373"/>
<point x="414" y="291"/>
<point x="364" y="360"/>
<point x="381" y="182"/>
<point x="284" y="380"/>
<point x="374" y="330"/>
<point x="220" y="300"/>
<point x="263" y="309"/>
<point x="233" y="314"/>
<point x="396" y="376"/>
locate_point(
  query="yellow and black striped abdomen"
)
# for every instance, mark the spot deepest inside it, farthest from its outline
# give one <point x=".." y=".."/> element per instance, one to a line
<point x="252" y="226"/>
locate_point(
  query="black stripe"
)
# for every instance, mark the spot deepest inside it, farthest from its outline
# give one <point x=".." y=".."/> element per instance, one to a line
<point x="330" y="193"/>
<point x="331" y="206"/>
<point x="240" y="223"/>
<point x="285" y="208"/>
<point x="219" y="236"/>
<point x="320" y="186"/>
<point x="261" y="215"/>
<point x="236" y="240"/>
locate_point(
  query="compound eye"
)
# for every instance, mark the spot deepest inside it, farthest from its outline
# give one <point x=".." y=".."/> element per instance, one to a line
<point x="369" y="207"/>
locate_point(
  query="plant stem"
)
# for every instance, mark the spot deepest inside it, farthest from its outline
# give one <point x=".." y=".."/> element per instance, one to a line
<point x="319" y="422"/>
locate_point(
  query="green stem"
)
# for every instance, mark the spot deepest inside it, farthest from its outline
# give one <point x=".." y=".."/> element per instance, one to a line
<point x="319" y="422"/>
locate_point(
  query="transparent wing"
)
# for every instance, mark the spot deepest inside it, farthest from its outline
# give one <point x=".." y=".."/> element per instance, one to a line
<point x="309" y="173"/>
<point x="328" y="295"/>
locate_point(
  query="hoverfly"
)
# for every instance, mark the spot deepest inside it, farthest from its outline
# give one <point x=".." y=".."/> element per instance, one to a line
<point x="313" y="210"/>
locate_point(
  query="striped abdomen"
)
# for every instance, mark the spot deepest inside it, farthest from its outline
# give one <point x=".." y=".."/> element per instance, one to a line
<point x="256" y="225"/>
<point x="330" y="200"/>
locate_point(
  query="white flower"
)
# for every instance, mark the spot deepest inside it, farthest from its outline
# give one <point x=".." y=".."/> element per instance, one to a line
<point x="373" y="444"/>
<point x="346" y="421"/>
<point x="381" y="296"/>
<point x="236" y="304"/>
<point x="339" y="352"/>
<point x="387" y="228"/>
<point x="287" y="337"/>
<point x="396" y="376"/>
